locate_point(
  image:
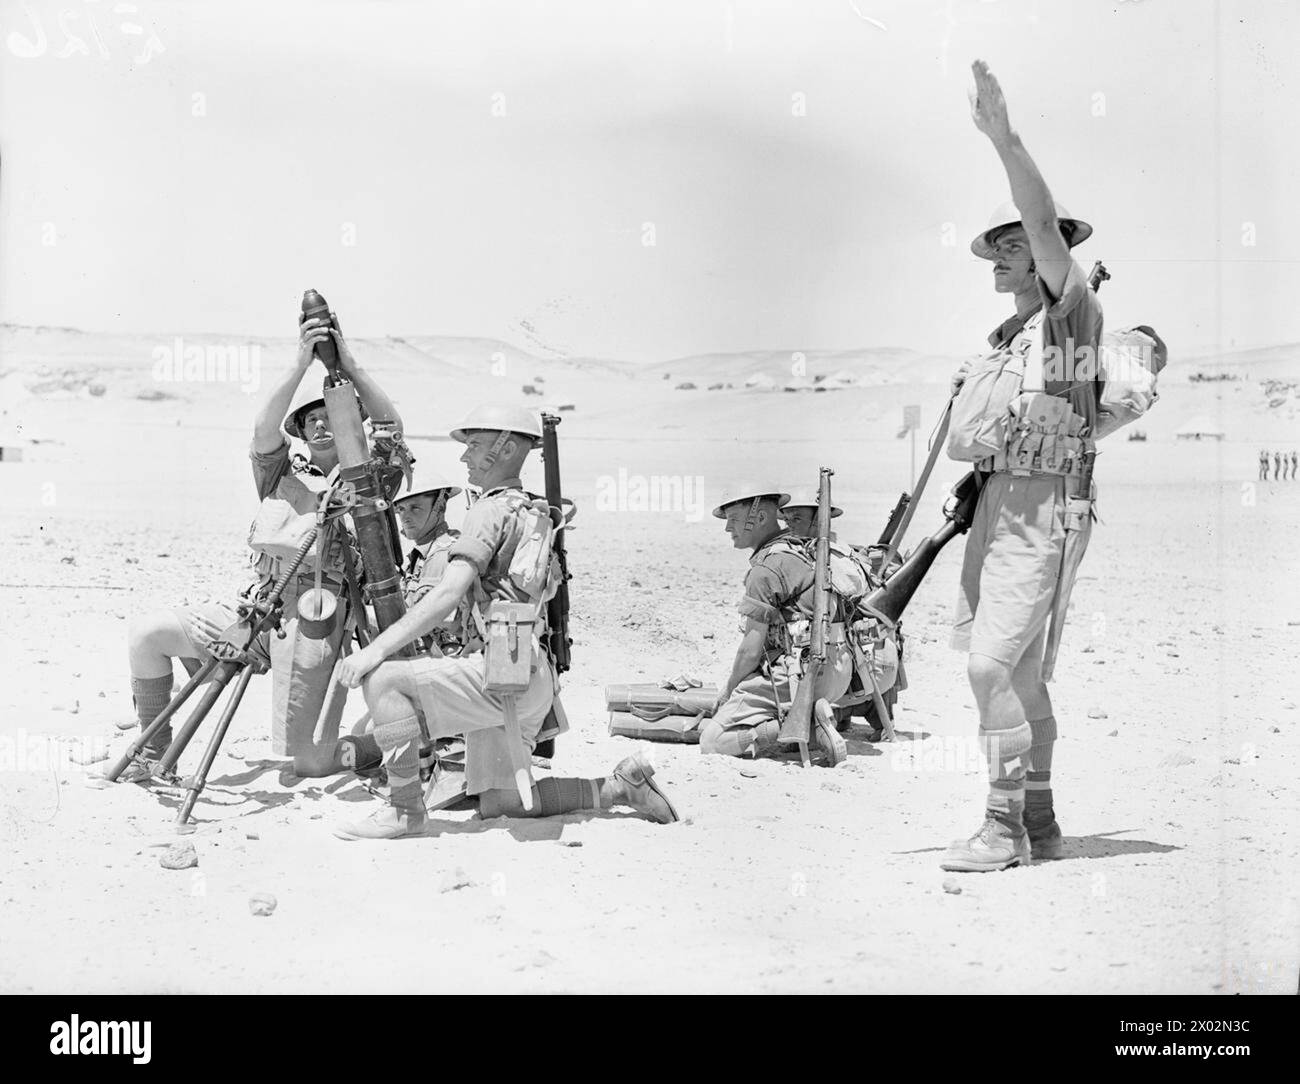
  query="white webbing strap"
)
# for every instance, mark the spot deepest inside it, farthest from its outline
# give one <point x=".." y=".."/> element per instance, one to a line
<point x="1033" y="379"/>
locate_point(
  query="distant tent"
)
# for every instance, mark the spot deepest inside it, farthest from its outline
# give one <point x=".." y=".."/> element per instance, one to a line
<point x="845" y="378"/>
<point x="1200" y="427"/>
<point x="760" y="380"/>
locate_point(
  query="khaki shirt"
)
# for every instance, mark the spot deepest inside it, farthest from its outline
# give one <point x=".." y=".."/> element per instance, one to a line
<point x="294" y="479"/>
<point x="1072" y="324"/>
<point x="490" y="534"/>
<point x="426" y="565"/>
<point x="779" y="585"/>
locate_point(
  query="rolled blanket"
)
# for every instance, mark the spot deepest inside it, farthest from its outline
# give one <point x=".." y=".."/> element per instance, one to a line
<point x="682" y="729"/>
<point x="653" y="702"/>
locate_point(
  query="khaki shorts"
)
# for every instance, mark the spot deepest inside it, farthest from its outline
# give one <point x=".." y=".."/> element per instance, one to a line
<point x="753" y="702"/>
<point x="1011" y="567"/>
<point x="457" y="703"/>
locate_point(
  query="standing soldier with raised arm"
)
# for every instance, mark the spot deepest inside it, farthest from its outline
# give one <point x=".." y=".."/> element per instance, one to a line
<point x="1015" y="546"/>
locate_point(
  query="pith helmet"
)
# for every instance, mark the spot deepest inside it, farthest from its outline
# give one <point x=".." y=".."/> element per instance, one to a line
<point x="500" y="419"/>
<point x="1074" y="230"/>
<point x="293" y="420"/>
<point x="743" y="492"/>
<point x="807" y="498"/>
<point x="433" y="485"/>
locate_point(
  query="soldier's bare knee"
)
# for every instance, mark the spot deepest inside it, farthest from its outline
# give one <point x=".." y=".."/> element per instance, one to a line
<point x="379" y="683"/>
<point x="142" y="628"/>
<point x="986" y="673"/>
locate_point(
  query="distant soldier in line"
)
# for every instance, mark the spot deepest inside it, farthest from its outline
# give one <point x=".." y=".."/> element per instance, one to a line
<point x="1295" y="462"/>
<point x="1263" y="466"/>
<point x="777" y="601"/>
<point x="1015" y="544"/>
<point x="1277" y="465"/>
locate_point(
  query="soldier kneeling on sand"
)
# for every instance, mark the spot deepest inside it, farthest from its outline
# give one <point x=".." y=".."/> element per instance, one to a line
<point x="455" y="694"/>
<point x="884" y="649"/>
<point x="777" y="606"/>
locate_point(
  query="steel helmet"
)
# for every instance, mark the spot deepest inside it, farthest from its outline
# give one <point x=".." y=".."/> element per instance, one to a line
<point x="292" y="423"/>
<point x="804" y="497"/>
<point x="745" y="492"/>
<point x="1074" y="230"/>
<point x="433" y="485"/>
<point x="500" y="419"/>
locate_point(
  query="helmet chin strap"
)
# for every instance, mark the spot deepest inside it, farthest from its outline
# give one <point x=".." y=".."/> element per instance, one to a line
<point x="495" y="450"/>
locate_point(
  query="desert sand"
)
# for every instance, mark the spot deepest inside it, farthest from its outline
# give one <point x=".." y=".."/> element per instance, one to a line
<point x="1176" y="695"/>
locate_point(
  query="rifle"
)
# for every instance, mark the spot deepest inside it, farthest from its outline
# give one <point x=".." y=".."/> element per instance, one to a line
<point x="891" y="525"/>
<point x="796" y="728"/>
<point x="557" y="610"/>
<point x="888" y="602"/>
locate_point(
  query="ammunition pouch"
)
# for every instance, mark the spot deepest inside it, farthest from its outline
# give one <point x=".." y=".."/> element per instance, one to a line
<point x="510" y="646"/>
<point x="1046" y="436"/>
<point x="798" y="634"/>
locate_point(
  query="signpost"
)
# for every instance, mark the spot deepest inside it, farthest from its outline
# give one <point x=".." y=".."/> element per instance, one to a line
<point x="912" y="422"/>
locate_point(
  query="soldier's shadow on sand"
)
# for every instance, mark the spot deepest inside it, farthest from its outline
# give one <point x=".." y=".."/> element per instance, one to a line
<point x="525" y="830"/>
<point x="1100" y="845"/>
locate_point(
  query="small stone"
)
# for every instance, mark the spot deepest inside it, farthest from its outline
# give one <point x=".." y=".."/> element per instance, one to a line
<point x="572" y="842"/>
<point x="179" y="856"/>
<point x="96" y="388"/>
<point x="454" y="880"/>
<point x="125" y="724"/>
<point x="253" y="835"/>
<point x="749" y="773"/>
<point x="1087" y="650"/>
<point x="1097" y="713"/>
<point x="1113" y="734"/>
<point x="951" y="886"/>
<point x="67" y="560"/>
<point x="1275" y="730"/>
<point x="634" y="583"/>
<point x="262" y="904"/>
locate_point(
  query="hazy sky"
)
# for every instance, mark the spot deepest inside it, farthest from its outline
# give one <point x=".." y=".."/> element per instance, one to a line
<point x="802" y="168"/>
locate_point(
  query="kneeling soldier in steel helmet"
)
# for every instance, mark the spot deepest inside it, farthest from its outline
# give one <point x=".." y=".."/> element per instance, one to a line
<point x="1014" y="550"/>
<point x="883" y="652"/>
<point x="776" y="605"/>
<point x="453" y="692"/>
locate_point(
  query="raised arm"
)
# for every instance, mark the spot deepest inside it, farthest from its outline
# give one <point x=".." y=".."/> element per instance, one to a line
<point x="1028" y="189"/>
<point x="266" y="429"/>
<point x="378" y="405"/>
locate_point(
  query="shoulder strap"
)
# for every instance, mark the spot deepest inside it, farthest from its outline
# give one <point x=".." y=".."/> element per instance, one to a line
<point x="1033" y="380"/>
